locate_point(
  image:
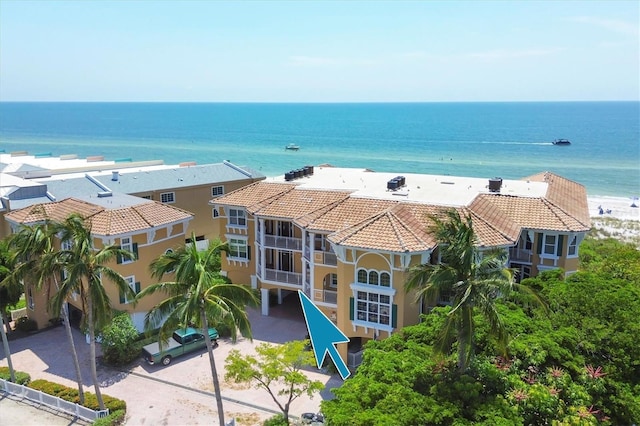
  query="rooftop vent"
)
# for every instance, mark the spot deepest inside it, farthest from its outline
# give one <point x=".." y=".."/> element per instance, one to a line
<point x="395" y="183"/>
<point x="495" y="184"/>
<point x="114" y="175"/>
<point x="298" y="173"/>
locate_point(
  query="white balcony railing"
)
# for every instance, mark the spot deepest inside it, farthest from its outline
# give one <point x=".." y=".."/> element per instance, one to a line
<point x="330" y="296"/>
<point x="286" y="277"/>
<point x="285" y="243"/>
<point x="325" y="258"/>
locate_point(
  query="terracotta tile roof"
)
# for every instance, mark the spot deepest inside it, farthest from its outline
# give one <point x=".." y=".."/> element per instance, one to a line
<point x="343" y="214"/>
<point x="395" y="229"/>
<point x="58" y="211"/>
<point x="299" y="202"/>
<point x="507" y="213"/>
<point x="567" y="195"/>
<point x="255" y="196"/>
<point x="104" y="221"/>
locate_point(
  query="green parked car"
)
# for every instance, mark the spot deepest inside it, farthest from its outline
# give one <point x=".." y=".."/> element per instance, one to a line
<point x="183" y="341"/>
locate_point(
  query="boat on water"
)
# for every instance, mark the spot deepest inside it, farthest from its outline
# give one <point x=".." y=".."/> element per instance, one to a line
<point x="292" y="147"/>
<point x="561" y="142"/>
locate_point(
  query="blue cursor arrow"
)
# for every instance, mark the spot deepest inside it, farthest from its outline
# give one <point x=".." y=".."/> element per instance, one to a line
<point x="324" y="335"/>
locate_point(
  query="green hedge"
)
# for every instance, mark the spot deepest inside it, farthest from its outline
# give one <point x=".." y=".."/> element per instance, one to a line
<point x="115" y="418"/>
<point x="22" y="378"/>
<point x="71" y="395"/>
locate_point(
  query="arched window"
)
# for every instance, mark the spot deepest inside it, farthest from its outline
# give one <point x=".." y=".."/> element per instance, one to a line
<point x="382" y="279"/>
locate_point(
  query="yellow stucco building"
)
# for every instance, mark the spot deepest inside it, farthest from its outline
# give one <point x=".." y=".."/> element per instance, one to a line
<point x="346" y="237"/>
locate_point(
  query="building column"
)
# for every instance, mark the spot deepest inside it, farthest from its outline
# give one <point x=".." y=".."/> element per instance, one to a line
<point x="280" y="296"/>
<point x="254" y="282"/>
<point x="265" y="301"/>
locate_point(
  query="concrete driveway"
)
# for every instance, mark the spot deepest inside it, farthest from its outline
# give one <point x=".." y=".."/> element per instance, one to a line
<point x="181" y="393"/>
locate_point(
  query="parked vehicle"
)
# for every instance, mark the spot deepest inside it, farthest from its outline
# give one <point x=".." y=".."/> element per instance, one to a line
<point x="183" y="341"/>
<point x="312" y="418"/>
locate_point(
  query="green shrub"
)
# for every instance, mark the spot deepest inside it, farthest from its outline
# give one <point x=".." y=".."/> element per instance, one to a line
<point x="22" y="303"/>
<point x="115" y="418"/>
<point x="22" y="378"/>
<point x="26" y="324"/>
<point x="120" y="343"/>
<point x="277" y="420"/>
<point x="71" y="395"/>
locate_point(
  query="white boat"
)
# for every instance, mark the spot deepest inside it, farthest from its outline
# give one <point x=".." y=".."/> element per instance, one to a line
<point x="292" y="147"/>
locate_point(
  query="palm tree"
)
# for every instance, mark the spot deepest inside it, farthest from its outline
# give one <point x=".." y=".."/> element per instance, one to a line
<point x="473" y="279"/>
<point x="34" y="249"/>
<point x="10" y="290"/>
<point x="86" y="267"/>
<point x="199" y="295"/>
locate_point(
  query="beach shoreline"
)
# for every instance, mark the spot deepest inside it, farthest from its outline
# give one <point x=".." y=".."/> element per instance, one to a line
<point x="615" y="207"/>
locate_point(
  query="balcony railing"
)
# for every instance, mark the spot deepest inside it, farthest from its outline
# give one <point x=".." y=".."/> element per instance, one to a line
<point x="520" y="255"/>
<point x="277" y="276"/>
<point x="285" y="243"/>
<point x="326" y="296"/>
<point x="325" y="258"/>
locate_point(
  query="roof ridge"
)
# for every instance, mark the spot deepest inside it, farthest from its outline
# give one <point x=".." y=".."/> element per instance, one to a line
<point x="392" y="211"/>
<point x="545" y="200"/>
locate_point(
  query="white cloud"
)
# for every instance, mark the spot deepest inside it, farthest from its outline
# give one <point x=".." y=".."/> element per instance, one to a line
<point x="610" y="24"/>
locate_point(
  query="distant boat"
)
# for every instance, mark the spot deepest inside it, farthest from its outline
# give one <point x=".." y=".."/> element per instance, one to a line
<point x="561" y="142"/>
<point x="292" y="147"/>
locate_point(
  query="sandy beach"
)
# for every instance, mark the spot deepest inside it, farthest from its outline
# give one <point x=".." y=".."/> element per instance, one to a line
<point x="615" y="217"/>
<point x="617" y="207"/>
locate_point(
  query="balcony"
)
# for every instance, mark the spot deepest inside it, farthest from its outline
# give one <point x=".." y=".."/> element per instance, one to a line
<point x="283" y="243"/>
<point x="326" y="296"/>
<point x="278" y="276"/>
<point x="325" y="258"/>
<point x="519" y="255"/>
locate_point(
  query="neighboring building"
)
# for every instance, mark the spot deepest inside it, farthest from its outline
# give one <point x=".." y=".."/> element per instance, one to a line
<point x="146" y="228"/>
<point x="147" y="206"/>
<point x="26" y="180"/>
<point x="346" y="237"/>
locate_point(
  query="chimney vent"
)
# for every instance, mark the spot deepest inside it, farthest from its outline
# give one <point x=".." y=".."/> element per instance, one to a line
<point x="114" y="175"/>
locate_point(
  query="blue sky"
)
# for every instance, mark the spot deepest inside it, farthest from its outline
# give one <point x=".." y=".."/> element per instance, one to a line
<point x="327" y="51"/>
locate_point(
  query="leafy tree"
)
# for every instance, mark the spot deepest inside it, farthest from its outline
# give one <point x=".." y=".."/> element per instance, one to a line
<point x="474" y="279"/>
<point x="198" y="295"/>
<point x="10" y="291"/>
<point x="86" y="268"/>
<point x="120" y="340"/>
<point x="276" y="369"/>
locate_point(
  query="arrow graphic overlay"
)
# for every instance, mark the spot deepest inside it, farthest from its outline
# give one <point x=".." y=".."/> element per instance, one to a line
<point x="324" y="334"/>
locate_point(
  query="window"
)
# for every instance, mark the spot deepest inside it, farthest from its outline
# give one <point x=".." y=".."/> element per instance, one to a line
<point x="133" y="285"/>
<point x="125" y="244"/>
<point x="373" y="307"/>
<point x="217" y="191"/>
<point x="333" y="280"/>
<point x="237" y="217"/>
<point x="549" y="244"/>
<point x="238" y="249"/>
<point x="168" y="197"/>
<point x="382" y="279"/>
<point x="214" y="213"/>
<point x="30" y="301"/>
<point x="572" y="249"/>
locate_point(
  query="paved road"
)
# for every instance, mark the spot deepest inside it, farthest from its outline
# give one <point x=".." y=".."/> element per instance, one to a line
<point x="180" y="394"/>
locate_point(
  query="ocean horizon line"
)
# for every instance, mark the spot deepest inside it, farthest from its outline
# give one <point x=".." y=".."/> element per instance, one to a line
<point x="398" y="102"/>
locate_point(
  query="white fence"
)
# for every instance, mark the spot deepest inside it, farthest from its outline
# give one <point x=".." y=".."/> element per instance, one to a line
<point x="52" y="401"/>
<point x="18" y="314"/>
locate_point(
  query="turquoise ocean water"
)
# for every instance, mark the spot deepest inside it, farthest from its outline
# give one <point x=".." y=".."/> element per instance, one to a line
<point x="509" y="140"/>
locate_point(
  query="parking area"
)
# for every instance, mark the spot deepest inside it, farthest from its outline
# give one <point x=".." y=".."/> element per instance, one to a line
<point x="182" y="393"/>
